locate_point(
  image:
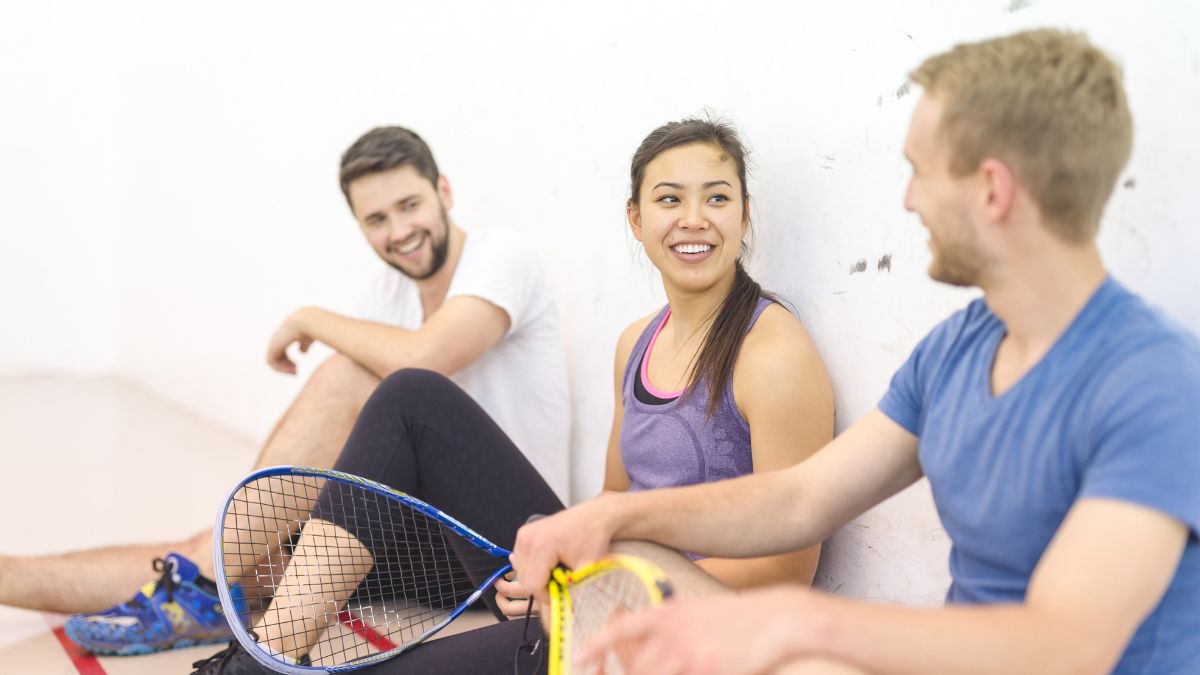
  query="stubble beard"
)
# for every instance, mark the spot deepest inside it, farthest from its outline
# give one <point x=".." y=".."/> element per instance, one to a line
<point x="440" y="251"/>
<point x="957" y="262"/>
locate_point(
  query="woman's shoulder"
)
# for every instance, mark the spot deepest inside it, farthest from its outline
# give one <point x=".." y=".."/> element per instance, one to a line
<point x="630" y="335"/>
<point x="780" y="375"/>
<point x="778" y="327"/>
<point x="776" y="339"/>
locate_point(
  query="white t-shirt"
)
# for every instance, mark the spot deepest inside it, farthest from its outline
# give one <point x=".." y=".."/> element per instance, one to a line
<point x="521" y="382"/>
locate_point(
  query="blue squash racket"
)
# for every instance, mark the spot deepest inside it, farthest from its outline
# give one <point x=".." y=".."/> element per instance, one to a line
<point x="323" y="571"/>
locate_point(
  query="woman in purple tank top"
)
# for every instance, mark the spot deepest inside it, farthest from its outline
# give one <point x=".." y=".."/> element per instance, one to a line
<point x="722" y="364"/>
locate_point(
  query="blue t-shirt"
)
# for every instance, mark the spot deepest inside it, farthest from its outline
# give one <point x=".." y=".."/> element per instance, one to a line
<point x="1112" y="410"/>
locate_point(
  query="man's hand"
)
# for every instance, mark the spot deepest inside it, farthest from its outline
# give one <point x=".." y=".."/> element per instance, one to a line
<point x="288" y="332"/>
<point x="724" y="634"/>
<point x="574" y="537"/>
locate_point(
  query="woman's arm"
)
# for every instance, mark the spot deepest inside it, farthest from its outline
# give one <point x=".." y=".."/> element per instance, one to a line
<point x="615" y="478"/>
<point x="781" y="387"/>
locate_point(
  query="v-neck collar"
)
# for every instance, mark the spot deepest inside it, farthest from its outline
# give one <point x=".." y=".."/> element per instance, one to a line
<point x="1064" y="341"/>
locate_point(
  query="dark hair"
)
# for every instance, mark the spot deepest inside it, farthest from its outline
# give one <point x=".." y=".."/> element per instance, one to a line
<point x="382" y="149"/>
<point x="714" y="362"/>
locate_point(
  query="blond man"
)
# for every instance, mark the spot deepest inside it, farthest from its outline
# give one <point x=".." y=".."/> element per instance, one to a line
<point x="1057" y="419"/>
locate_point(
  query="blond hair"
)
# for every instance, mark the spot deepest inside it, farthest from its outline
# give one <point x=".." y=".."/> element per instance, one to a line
<point x="1048" y="104"/>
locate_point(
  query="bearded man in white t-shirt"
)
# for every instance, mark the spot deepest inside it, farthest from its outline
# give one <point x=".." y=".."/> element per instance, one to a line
<point x="473" y="306"/>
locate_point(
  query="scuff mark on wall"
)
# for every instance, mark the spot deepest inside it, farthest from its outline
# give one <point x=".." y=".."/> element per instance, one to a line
<point x="860" y="266"/>
<point x="903" y="90"/>
<point x="1130" y="184"/>
<point x="884" y="264"/>
<point x="879" y="102"/>
<point x="1018" y="5"/>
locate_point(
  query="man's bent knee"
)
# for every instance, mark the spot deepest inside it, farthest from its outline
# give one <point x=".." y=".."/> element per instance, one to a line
<point x="340" y="375"/>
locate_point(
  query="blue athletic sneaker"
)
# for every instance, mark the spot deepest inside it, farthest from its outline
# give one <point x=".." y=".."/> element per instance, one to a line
<point x="180" y="609"/>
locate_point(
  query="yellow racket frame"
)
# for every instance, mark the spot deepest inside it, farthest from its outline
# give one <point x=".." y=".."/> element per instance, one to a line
<point x="562" y="579"/>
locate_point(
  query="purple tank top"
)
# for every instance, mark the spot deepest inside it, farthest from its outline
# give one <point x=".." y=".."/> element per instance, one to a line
<point x="677" y="443"/>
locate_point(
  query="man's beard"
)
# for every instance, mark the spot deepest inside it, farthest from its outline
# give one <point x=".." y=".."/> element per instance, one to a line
<point x="441" y="250"/>
<point x="957" y="262"/>
<point x="955" y="269"/>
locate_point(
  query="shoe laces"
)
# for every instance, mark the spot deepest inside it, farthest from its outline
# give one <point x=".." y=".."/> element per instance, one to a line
<point x="219" y="659"/>
<point x="166" y="581"/>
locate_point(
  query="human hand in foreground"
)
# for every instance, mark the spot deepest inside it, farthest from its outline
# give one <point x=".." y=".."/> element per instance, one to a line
<point x="574" y="537"/>
<point x="727" y="634"/>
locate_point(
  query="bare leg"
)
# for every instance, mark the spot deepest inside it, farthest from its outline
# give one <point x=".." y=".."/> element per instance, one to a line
<point x="328" y="564"/>
<point x="81" y="581"/>
<point x="315" y="427"/>
<point x="687" y="579"/>
<point x="311" y="433"/>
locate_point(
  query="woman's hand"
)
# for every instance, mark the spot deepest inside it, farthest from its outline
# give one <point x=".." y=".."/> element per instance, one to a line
<point x="511" y="598"/>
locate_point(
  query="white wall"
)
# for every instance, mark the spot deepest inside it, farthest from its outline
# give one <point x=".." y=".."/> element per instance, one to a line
<point x="58" y="187"/>
<point x="231" y="120"/>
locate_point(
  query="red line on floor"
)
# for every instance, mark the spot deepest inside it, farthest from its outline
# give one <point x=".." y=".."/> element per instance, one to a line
<point x="365" y="632"/>
<point x="85" y="662"/>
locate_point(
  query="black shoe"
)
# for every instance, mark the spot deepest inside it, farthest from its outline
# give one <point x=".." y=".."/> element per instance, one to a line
<point x="233" y="660"/>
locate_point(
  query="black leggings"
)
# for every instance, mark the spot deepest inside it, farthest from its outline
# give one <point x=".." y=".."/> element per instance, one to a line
<point x="421" y="434"/>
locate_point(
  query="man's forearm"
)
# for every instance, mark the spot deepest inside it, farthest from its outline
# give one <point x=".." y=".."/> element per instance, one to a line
<point x="756" y="515"/>
<point x="895" y="640"/>
<point x="379" y="348"/>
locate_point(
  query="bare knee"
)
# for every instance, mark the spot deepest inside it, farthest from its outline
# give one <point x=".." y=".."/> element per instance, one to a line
<point x="341" y="377"/>
<point x="687" y="579"/>
<point x="316" y="425"/>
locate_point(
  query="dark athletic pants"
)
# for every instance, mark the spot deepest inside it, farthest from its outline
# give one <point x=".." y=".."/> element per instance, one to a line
<point x="421" y="434"/>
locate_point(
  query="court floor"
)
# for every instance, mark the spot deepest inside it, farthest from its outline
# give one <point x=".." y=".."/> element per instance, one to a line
<point x="95" y="462"/>
<point x="99" y="461"/>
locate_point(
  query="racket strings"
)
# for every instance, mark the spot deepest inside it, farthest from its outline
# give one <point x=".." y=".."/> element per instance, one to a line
<point x="341" y="572"/>
<point x="594" y="601"/>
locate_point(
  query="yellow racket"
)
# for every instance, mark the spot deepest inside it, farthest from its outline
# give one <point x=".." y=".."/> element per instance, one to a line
<point x="583" y="601"/>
